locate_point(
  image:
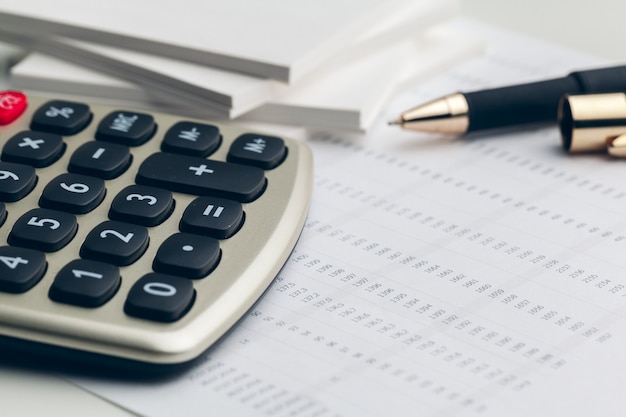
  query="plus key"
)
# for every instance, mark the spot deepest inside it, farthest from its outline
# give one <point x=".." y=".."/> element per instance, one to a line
<point x="199" y="176"/>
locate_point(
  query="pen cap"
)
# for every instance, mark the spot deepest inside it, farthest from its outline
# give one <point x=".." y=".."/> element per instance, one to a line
<point x="589" y="122"/>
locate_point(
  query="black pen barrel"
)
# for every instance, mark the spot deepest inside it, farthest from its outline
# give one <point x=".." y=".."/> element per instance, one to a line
<point x="519" y="104"/>
<point x="537" y="102"/>
<point x="602" y="80"/>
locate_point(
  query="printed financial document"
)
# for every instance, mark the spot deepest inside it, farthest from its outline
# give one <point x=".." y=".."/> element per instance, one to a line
<point x="477" y="276"/>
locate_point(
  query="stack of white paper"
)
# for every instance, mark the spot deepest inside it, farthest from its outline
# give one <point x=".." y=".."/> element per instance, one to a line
<point x="316" y="63"/>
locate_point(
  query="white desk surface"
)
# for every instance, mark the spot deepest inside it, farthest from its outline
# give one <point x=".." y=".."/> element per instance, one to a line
<point x="593" y="27"/>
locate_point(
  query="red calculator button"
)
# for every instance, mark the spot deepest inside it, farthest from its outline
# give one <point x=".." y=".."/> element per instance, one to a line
<point x="12" y="105"/>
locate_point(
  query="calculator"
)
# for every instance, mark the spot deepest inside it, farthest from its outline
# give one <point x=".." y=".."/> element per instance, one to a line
<point x="137" y="239"/>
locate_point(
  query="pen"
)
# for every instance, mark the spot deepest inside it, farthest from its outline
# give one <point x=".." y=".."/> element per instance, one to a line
<point x="537" y="102"/>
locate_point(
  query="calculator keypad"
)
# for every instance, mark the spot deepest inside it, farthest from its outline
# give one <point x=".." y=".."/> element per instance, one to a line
<point x="122" y="221"/>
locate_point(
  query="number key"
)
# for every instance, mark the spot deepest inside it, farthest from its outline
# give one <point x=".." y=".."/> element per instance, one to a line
<point x="85" y="283"/>
<point x="16" y="181"/>
<point x="138" y="204"/>
<point x="73" y="193"/>
<point x="43" y="229"/>
<point x="115" y="242"/>
<point x="160" y="297"/>
<point x="20" y="268"/>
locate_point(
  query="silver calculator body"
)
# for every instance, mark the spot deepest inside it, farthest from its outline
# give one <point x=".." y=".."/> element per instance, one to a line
<point x="248" y="260"/>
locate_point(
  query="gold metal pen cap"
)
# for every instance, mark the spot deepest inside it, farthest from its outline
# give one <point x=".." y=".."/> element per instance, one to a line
<point x="590" y="122"/>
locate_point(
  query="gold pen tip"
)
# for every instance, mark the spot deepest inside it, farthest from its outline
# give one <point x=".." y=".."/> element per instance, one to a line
<point x="396" y="122"/>
<point x="446" y="115"/>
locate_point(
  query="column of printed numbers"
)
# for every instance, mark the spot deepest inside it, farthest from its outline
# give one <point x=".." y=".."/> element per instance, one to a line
<point x="477" y="286"/>
<point x="428" y="311"/>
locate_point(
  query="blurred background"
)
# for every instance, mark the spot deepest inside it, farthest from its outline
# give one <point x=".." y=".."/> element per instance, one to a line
<point x="595" y="27"/>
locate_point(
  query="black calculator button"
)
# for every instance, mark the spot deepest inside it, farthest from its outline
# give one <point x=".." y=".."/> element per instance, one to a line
<point x="139" y="204"/>
<point x="73" y="193"/>
<point x="127" y="128"/>
<point x="85" y="283"/>
<point x="16" y="181"/>
<point x="100" y="159"/>
<point x="37" y="149"/>
<point x="43" y="229"/>
<point x="209" y="216"/>
<point x="61" y="117"/>
<point x="265" y="152"/>
<point x="191" y="138"/>
<point x="115" y="242"/>
<point x="187" y="255"/>
<point x="160" y="297"/>
<point x="199" y="176"/>
<point x="20" y="268"/>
